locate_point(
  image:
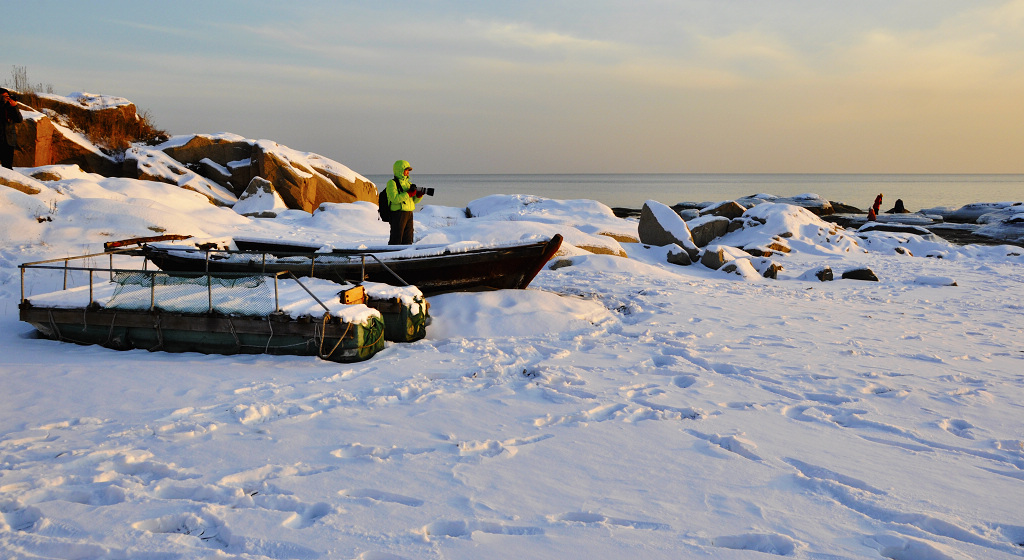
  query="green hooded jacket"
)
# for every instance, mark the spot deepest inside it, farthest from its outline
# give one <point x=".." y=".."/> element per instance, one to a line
<point x="398" y="189"/>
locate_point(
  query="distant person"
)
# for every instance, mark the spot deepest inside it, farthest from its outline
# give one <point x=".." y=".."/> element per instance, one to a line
<point x="11" y="117"/>
<point x="875" y="208"/>
<point x="402" y="197"/>
<point x="898" y="208"/>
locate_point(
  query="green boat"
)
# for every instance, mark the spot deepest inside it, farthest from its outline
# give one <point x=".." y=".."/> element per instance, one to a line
<point x="272" y="313"/>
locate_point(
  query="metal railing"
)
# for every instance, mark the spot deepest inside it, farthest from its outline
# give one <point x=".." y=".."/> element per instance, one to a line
<point x="154" y="278"/>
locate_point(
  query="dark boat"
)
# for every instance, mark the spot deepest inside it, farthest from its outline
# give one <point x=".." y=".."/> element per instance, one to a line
<point x="433" y="269"/>
<point x="227" y="314"/>
<point x="205" y="333"/>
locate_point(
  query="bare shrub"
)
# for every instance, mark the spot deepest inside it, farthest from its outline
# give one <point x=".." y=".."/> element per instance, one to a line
<point x="106" y="129"/>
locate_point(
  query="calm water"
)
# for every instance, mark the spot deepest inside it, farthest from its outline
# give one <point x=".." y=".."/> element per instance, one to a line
<point x="631" y="190"/>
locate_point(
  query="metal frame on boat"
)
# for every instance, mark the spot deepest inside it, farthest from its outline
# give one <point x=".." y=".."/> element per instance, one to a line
<point x="195" y="330"/>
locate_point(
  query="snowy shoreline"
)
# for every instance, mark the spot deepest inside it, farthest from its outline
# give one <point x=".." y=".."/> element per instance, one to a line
<point x="621" y="407"/>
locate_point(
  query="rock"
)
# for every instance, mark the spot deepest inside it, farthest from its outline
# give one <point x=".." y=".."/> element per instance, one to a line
<point x="306" y="188"/>
<point x="19" y="182"/>
<point x="969" y="214"/>
<point x="41" y="142"/>
<point x="708" y="228"/>
<point x="260" y="200"/>
<point x="860" y="274"/>
<point x="843" y="208"/>
<point x="741" y="267"/>
<point x="776" y="246"/>
<point x="716" y="256"/>
<point x="223" y="159"/>
<point x="823" y="274"/>
<point x="44" y="175"/>
<point x="153" y="164"/>
<point x="678" y="255"/>
<point x="660" y="225"/>
<point x="893" y="227"/>
<point x="766" y="267"/>
<point x="809" y="201"/>
<point x="728" y="209"/>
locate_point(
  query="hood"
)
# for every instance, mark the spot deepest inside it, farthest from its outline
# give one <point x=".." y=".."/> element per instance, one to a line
<point x="400" y="167"/>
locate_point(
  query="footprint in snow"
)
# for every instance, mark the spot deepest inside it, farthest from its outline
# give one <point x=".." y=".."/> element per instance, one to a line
<point x="465" y="529"/>
<point x="959" y="428"/>
<point x="771" y="543"/>
<point x="597" y="519"/>
<point x="381" y="496"/>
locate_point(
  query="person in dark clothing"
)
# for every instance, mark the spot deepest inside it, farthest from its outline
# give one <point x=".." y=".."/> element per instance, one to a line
<point x="11" y="116"/>
<point x="402" y="197"/>
<point x="875" y="208"/>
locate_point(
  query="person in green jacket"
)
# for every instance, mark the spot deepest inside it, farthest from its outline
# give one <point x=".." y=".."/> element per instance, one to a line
<point x="402" y="198"/>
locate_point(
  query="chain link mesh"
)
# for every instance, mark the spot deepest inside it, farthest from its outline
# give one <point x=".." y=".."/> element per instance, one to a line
<point x="244" y="295"/>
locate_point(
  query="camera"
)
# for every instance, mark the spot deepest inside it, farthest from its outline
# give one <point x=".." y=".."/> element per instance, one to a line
<point x="418" y="192"/>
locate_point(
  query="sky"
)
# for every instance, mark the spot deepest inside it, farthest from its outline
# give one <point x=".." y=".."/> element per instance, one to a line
<point x="596" y="86"/>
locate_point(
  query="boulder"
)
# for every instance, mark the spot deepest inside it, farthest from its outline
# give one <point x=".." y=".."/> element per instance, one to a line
<point x="766" y="267"/>
<point x="708" y="228"/>
<point x="223" y="159"/>
<point x="728" y="209"/>
<point x="678" y="255"/>
<point x="844" y="208"/>
<point x="822" y="274"/>
<point x="303" y="184"/>
<point x="260" y="200"/>
<point x="860" y="274"/>
<point x="741" y="267"/>
<point x="716" y="256"/>
<point x="660" y="225"/>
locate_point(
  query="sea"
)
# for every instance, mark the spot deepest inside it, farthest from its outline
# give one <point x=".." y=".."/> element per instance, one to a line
<point x="630" y="190"/>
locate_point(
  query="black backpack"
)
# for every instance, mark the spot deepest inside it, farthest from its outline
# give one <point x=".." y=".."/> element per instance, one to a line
<point x="384" y="205"/>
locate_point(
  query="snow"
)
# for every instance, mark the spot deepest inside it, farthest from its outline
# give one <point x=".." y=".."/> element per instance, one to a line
<point x="619" y="408"/>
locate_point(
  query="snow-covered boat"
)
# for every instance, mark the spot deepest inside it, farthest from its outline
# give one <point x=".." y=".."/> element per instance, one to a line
<point x="433" y="269"/>
<point x="273" y="313"/>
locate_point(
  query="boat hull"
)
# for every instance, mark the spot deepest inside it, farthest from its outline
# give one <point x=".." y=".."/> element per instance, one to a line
<point x="512" y="267"/>
<point x="208" y="334"/>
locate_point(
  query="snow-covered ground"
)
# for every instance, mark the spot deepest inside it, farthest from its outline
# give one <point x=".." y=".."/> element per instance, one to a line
<point x="619" y="408"/>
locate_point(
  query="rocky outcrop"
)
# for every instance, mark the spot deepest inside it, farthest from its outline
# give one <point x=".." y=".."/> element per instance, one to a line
<point x="303" y="185"/>
<point x="41" y="142"/>
<point x="223" y="160"/>
<point x="88" y="110"/>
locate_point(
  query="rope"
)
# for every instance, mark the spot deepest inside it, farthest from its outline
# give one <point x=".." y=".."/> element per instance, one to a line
<point x="323" y="336"/>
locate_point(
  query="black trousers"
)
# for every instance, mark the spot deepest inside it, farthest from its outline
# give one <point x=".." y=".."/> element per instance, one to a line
<point x="401" y="228"/>
<point x="6" y="155"/>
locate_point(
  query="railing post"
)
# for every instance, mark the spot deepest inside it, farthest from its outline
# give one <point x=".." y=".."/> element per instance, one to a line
<point x="209" y="291"/>
<point x="152" y="291"/>
<point x="277" y="301"/>
<point x="65" y="274"/>
<point x="90" y="287"/>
